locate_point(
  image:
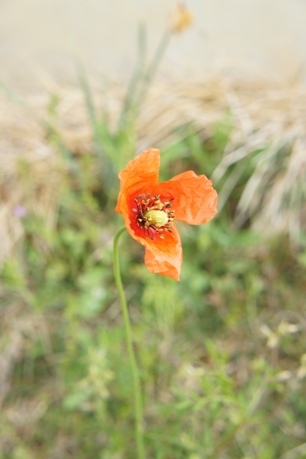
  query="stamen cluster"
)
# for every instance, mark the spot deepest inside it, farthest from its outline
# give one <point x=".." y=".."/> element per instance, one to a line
<point x="153" y="215"/>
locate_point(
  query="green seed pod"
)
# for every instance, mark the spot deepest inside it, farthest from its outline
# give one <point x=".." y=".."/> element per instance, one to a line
<point x="156" y="218"/>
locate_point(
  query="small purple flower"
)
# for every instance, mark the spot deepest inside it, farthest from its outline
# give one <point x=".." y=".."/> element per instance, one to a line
<point x="20" y="211"/>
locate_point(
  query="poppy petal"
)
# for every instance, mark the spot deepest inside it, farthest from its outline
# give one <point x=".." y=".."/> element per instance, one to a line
<point x="164" y="256"/>
<point x="143" y="169"/>
<point x="194" y="199"/>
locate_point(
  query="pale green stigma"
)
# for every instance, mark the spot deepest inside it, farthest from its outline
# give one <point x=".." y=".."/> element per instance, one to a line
<point x="157" y="218"/>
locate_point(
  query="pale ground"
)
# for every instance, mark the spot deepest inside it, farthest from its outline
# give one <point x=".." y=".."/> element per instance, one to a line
<point x="233" y="37"/>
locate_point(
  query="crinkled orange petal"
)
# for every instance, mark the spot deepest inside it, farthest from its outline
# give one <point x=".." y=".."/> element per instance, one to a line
<point x="194" y="199"/>
<point x="164" y="256"/>
<point x="142" y="172"/>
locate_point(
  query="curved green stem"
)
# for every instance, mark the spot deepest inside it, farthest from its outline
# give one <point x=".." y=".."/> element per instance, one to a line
<point x="131" y="353"/>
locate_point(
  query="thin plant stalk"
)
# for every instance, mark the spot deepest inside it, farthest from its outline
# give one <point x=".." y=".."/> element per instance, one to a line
<point x="138" y="409"/>
<point x="142" y="79"/>
<point x="131" y="96"/>
<point x="148" y="77"/>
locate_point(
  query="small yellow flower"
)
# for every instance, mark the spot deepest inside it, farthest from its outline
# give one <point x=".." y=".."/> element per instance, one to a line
<point x="182" y="18"/>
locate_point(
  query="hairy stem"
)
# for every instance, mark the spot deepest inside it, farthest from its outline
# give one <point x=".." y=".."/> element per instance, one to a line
<point x="138" y="411"/>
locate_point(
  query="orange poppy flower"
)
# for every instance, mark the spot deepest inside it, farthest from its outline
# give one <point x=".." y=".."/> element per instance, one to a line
<point x="149" y="209"/>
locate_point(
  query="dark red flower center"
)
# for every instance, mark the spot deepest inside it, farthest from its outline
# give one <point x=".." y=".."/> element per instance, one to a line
<point x="153" y="215"/>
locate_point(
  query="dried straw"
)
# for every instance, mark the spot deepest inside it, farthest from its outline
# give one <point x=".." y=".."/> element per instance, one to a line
<point x="262" y="117"/>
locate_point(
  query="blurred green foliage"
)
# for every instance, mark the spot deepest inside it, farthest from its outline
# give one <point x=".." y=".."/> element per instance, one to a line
<point x="221" y="354"/>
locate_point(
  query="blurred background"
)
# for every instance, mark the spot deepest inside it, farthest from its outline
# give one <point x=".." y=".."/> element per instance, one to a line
<point x="219" y="87"/>
<point x="236" y="38"/>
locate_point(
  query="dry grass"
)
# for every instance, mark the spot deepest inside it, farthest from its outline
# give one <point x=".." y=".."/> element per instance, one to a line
<point x="263" y="117"/>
